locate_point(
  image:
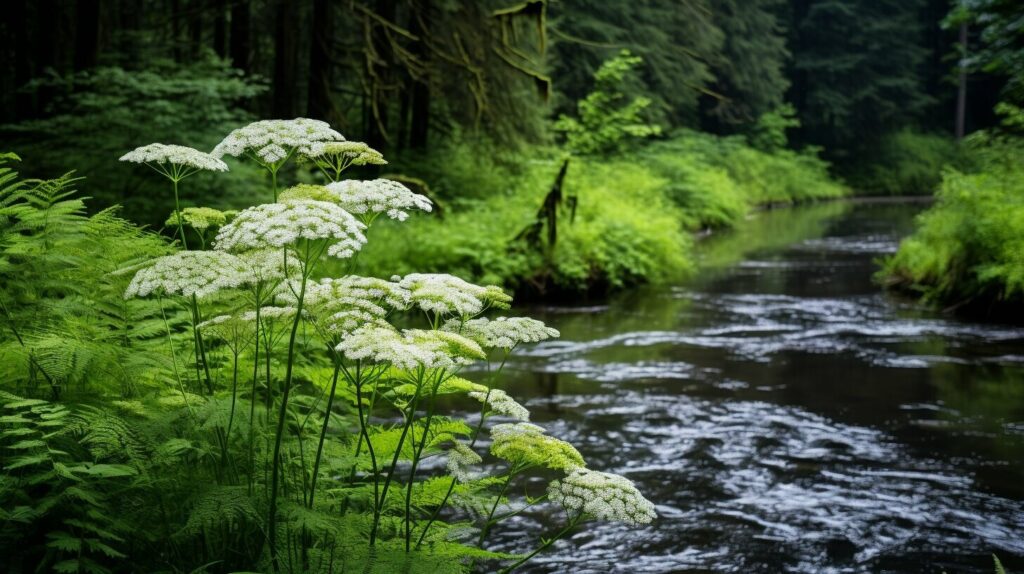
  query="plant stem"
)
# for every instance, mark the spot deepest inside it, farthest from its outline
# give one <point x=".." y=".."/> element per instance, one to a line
<point x="416" y="459"/>
<point x="572" y="524"/>
<point x="177" y="214"/>
<point x="409" y="418"/>
<point x="276" y="461"/>
<point x="487" y="523"/>
<point x="323" y="430"/>
<point x="252" y="398"/>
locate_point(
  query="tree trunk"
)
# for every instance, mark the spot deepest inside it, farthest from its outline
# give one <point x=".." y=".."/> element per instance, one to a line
<point x="220" y="28"/>
<point x="240" y="29"/>
<point x="285" y="60"/>
<point x="176" y="30"/>
<point x="195" y="28"/>
<point x="961" y="92"/>
<point x="377" y="128"/>
<point x="318" y="103"/>
<point x="87" y="34"/>
<point x="420" y="120"/>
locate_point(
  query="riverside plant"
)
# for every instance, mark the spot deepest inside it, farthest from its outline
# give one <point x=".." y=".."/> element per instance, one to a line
<point x="337" y="389"/>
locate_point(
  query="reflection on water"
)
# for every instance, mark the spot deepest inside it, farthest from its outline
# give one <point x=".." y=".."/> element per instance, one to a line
<point x="786" y="416"/>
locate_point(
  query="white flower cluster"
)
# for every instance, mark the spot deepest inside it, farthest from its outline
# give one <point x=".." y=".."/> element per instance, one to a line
<point x="350" y="153"/>
<point x="603" y="496"/>
<point x="460" y="460"/>
<point x="525" y="444"/>
<point x="272" y="140"/>
<point x="199" y="273"/>
<point x="281" y="224"/>
<point x="371" y="197"/>
<point x="408" y="350"/>
<point x="343" y="305"/>
<point x="270" y="314"/>
<point x="501" y="403"/>
<point x="503" y="332"/>
<point x="175" y="154"/>
<point x="232" y="329"/>
<point x="199" y="218"/>
<point x="265" y="265"/>
<point x="448" y="295"/>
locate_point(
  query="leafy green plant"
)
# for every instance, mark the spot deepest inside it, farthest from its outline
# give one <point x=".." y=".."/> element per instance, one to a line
<point x="288" y="417"/>
<point x="607" y="120"/>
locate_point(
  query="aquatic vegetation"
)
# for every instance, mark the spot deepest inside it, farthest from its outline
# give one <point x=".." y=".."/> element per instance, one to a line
<point x="285" y="415"/>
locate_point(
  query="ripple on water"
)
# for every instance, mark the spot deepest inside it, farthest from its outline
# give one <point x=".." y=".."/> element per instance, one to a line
<point x="739" y="482"/>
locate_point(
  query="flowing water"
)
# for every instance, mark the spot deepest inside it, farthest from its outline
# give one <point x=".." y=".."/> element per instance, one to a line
<point x="784" y="414"/>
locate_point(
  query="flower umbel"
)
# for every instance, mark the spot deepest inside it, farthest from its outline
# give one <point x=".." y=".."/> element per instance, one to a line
<point x="271" y="141"/>
<point x="603" y="496"/>
<point x="185" y="157"/>
<point x="199" y="273"/>
<point x="501" y="403"/>
<point x="503" y="332"/>
<point x="368" y="199"/>
<point x="460" y="459"/>
<point x="282" y="224"/>
<point x="199" y="218"/>
<point x="525" y="444"/>
<point x="448" y="295"/>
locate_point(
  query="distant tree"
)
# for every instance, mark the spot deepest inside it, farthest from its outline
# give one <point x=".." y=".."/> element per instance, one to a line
<point x="750" y="73"/>
<point x="999" y="25"/>
<point x="857" y="69"/>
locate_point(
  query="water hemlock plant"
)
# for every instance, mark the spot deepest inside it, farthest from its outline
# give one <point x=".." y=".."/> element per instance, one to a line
<point x="279" y="419"/>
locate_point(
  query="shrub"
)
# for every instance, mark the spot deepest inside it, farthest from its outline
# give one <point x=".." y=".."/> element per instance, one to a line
<point x="905" y="163"/>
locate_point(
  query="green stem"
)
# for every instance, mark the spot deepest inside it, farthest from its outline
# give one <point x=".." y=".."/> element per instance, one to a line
<point x="572" y="524"/>
<point x="200" y="348"/>
<point x="409" y="418"/>
<point x="283" y="413"/>
<point x="177" y="214"/>
<point x="273" y="180"/>
<point x="323" y="430"/>
<point x="416" y="459"/>
<point x="234" y="397"/>
<point x="487" y="523"/>
<point x="252" y="399"/>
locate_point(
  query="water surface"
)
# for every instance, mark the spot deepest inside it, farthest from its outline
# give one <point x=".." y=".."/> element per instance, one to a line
<point x="784" y="414"/>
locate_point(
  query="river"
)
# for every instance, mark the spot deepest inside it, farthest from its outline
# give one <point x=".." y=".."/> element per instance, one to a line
<point x="784" y="414"/>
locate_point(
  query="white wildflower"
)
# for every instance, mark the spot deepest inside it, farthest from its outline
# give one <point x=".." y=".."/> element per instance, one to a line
<point x="232" y="329"/>
<point x="503" y="332"/>
<point x="460" y="459"/>
<point x="281" y="224"/>
<point x="603" y="496"/>
<point x="525" y="445"/>
<point x="265" y="265"/>
<point x="177" y="155"/>
<point x="199" y="273"/>
<point x="306" y="192"/>
<point x="342" y="305"/>
<point x="448" y="295"/>
<point x="199" y="218"/>
<point x="271" y="141"/>
<point x="347" y="153"/>
<point x="501" y="403"/>
<point x="370" y="198"/>
<point x="270" y="314"/>
<point x="408" y="350"/>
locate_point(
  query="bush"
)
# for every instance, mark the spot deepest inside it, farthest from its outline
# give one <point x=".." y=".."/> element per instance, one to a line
<point x="970" y="245"/>
<point x="905" y="163"/>
<point x="106" y="111"/>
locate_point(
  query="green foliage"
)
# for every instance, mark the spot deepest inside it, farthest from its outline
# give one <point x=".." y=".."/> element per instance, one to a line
<point x="104" y="112"/>
<point x="769" y="133"/>
<point x="750" y="73"/>
<point x="905" y="162"/>
<point x="858" y="65"/>
<point x="969" y="246"/>
<point x="1001" y="47"/>
<point x="606" y="122"/>
<point x="679" y="41"/>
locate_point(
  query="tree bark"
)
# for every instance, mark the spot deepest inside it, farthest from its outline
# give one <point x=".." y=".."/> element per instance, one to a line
<point x="420" y="113"/>
<point x="240" y="30"/>
<point x="961" y="92"/>
<point x="87" y="34"/>
<point x="318" y="102"/>
<point x="285" y="60"/>
<point x="220" y="28"/>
